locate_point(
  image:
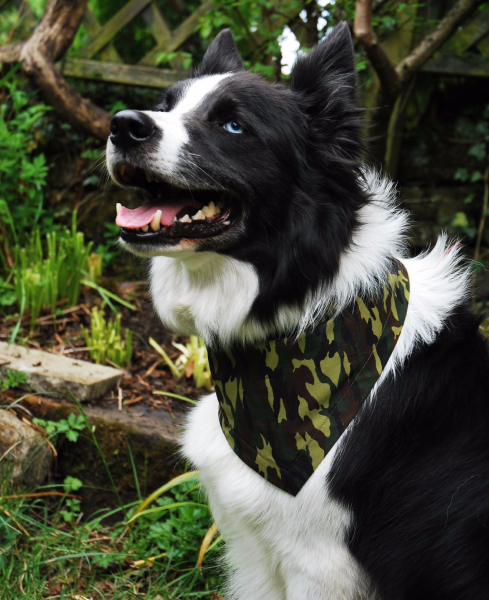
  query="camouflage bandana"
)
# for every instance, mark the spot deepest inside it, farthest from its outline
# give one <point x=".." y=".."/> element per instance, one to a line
<point x="283" y="404"/>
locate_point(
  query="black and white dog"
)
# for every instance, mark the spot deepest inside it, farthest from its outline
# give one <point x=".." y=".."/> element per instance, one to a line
<point x="259" y="217"/>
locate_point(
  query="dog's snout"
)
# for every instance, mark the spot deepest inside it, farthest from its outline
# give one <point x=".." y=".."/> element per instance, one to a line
<point x="130" y="128"/>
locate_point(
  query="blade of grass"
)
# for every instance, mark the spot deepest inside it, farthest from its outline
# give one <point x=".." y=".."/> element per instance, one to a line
<point x="165" y="488"/>
<point x="102" y="291"/>
<point x="164" y="508"/>
<point x="206" y="542"/>
<point x="172" y="395"/>
<point x="99" y="449"/>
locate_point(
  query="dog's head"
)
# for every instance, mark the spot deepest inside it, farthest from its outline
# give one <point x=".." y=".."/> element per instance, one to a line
<point x="260" y="172"/>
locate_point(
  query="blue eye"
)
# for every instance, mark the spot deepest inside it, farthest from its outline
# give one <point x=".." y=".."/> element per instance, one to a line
<point x="233" y="127"/>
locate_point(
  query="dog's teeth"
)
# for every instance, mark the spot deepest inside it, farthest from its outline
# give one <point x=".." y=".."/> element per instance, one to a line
<point x="211" y="209"/>
<point x="149" y="177"/>
<point x="199" y="216"/>
<point x="186" y="219"/>
<point x="118" y="207"/>
<point x="208" y="212"/>
<point x="145" y="228"/>
<point x="175" y="220"/>
<point x="155" y="223"/>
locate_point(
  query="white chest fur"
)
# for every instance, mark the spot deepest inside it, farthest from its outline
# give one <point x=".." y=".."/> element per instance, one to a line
<point x="279" y="547"/>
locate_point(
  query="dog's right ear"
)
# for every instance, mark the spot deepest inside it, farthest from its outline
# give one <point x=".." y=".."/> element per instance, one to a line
<point x="325" y="81"/>
<point x="222" y="56"/>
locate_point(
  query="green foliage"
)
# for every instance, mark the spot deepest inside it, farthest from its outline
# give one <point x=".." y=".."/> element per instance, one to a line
<point x="193" y="361"/>
<point x="70" y="427"/>
<point x="11" y="379"/>
<point x="22" y="171"/>
<point x="478" y="150"/>
<point x="71" y="508"/>
<point x="155" y="559"/>
<point x="45" y="281"/>
<point x="106" y="342"/>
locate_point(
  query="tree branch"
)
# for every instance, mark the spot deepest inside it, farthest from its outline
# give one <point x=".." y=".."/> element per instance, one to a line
<point x="11" y="53"/>
<point x="48" y="44"/>
<point x="425" y="50"/>
<point x="363" y="30"/>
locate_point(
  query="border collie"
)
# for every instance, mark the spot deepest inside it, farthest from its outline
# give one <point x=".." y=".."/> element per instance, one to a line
<point x="260" y="221"/>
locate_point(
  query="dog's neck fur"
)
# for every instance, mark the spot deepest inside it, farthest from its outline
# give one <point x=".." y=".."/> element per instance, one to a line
<point x="210" y="294"/>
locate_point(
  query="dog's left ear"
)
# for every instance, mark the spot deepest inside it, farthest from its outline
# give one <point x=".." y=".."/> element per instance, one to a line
<point x="326" y="75"/>
<point x="222" y="56"/>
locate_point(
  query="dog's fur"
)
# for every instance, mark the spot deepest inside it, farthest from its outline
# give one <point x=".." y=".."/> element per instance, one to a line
<point x="399" y="509"/>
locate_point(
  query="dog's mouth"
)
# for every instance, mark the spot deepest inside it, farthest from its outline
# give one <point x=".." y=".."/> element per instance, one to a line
<point x="172" y="213"/>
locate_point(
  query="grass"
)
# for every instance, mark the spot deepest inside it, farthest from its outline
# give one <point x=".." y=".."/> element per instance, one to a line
<point x="48" y="550"/>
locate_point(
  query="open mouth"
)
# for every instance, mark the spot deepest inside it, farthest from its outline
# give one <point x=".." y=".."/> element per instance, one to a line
<point x="171" y="213"/>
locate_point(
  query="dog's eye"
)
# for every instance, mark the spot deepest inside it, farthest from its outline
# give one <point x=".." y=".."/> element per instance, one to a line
<point x="233" y="127"/>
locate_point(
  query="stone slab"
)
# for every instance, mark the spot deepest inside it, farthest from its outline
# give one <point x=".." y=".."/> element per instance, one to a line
<point x="139" y="445"/>
<point x="48" y="372"/>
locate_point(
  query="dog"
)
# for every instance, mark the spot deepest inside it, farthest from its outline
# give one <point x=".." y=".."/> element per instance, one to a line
<point x="264" y="228"/>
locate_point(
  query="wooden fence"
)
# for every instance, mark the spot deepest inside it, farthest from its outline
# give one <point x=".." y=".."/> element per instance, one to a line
<point x="98" y="58"/>
<point x="465" y="54"/>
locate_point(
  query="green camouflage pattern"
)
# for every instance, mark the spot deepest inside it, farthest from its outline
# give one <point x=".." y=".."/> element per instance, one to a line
<point x="284" y="403"/>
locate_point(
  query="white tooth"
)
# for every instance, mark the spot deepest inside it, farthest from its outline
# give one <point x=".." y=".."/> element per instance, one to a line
<point x="199" y="216"/>
<point x="211" y="209"/>
<point x="118" y="207"/>
<point x="186" y="219"/>
<point x="207" y="211"/>
<point x="149" y="177"/>
<point x="145" y="228"/>
<point x="155" y="223"/>
<point x="175" y="220"/>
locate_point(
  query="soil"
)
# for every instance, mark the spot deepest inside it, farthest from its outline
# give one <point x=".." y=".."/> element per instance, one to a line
<point x="147" y="371"/>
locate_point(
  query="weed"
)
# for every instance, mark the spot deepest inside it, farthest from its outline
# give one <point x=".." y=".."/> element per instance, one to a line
<point x="105" y="340"/>
<point x="22" y="172"/>
<point x="193" y="361"/>
<point x="11" y="379"/>
<point x="70" y="427"/>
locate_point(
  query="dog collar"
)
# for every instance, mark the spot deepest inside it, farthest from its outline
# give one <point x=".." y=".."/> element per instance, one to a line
<point x="284" y="403"/>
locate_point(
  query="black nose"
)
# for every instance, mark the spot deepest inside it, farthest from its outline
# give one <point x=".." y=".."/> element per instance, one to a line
<point x="130" y="127"/>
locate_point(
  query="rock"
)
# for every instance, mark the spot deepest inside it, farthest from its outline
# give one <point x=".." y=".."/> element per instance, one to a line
<point x="137" y="442"/>
<point x="24" y="455"/>
<point x="48" y="372"/>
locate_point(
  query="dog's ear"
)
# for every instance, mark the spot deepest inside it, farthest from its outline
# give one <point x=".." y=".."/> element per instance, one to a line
<point x="325" y="82"/>
<point x="327" y="72"/>
<point x="222" y="56"/>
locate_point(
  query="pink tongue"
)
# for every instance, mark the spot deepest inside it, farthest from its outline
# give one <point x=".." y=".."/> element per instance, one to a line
<point x="139" y="217"/>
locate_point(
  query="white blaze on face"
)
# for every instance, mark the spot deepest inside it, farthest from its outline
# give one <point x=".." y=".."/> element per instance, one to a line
<point x="175" y="135"/>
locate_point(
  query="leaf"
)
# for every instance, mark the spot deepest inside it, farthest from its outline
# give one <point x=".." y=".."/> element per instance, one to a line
<point x="206" y="542"/>
<point x="461" y="174"/>
<point x="72" y="436"/>
<point x="460" y="220"/>
<point x="478" y="151"/>
<point x="72" y="484"/>
<point x="476" y="176"/>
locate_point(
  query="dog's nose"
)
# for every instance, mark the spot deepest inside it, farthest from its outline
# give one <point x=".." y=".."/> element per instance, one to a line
<point x="130" y="127"/>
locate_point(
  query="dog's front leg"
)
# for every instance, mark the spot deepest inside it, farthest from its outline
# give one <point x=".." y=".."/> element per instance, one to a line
<point x="322" y="572"/>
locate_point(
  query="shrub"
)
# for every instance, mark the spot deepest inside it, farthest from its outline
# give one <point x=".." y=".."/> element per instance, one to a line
<point x="22" y="172"/>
